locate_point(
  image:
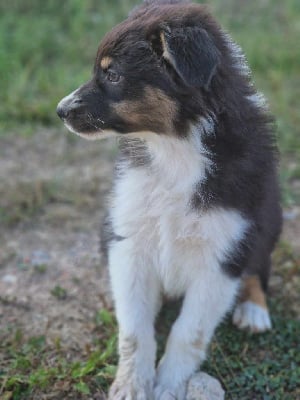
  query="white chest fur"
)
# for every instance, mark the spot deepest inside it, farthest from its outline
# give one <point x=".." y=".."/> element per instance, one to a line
<point x="151" y="208"/>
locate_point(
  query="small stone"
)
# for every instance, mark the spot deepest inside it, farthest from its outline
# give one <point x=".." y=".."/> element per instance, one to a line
<point x="290" y="215"/>
<point x="9" y="278"/>
<point x="204" y="387"/>
<point x="39" y="257"/>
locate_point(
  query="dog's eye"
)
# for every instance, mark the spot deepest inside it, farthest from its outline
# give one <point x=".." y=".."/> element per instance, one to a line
<point x="112" y="76"/>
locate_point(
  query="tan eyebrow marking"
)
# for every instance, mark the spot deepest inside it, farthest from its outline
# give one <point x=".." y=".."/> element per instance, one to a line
<point x="105" y="62"/>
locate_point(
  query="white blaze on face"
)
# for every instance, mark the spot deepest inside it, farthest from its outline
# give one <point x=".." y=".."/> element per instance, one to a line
<point x="69" y="100"/>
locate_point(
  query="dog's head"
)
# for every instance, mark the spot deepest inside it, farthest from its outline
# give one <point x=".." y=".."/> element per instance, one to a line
<point x="154" y="72"/>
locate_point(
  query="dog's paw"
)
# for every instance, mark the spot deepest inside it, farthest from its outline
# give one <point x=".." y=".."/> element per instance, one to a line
<point x="126" y="390"/>
<point x="162" y="393"/>
<point x="249" y="315"/>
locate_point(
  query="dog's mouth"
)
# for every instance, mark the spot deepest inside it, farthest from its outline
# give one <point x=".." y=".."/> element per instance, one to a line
<point x="82" y="123"/>
<point x="73" y="111"/>
<point x="90" y="132"/>
<point x="91" y="135"/>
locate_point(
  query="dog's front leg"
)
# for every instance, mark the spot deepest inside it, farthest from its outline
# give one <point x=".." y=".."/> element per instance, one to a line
<point x="136" y="294"/>
<point x="206" y="301"/>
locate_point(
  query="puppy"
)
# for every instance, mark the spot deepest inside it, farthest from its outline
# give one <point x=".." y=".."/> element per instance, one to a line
<point x="195" y="207"/>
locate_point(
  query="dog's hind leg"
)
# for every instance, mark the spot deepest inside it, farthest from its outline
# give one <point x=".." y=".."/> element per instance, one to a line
<point x="251" y="311"/>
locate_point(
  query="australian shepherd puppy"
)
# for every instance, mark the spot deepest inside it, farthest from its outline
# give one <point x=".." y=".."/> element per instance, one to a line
<point x="195" y="206"/>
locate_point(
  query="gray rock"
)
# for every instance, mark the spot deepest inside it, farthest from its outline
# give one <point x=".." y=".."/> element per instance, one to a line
<point x="204" y="387"/>
<point x="9" y="278"/>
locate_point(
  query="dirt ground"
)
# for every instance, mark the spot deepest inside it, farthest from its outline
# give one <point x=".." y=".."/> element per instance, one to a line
<point x="53" y="189"/>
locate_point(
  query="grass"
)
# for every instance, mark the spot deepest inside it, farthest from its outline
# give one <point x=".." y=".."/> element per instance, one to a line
<point x="25" y="200"/>
<point x="46" y="50"/>
<point x="262" y="367"/>
<point x="30" y="369"/>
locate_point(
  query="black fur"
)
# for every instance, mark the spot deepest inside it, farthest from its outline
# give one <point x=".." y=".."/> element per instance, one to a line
<point x="180" y="52"/>
<point x="184" y="46"/>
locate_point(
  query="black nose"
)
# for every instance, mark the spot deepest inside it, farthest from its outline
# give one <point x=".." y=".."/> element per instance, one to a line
<point x="64" y="108"/>
<point x="62" y="112"/>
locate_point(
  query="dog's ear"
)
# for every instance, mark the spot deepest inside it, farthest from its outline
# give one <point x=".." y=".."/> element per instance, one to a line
<point x="192" y="54"/>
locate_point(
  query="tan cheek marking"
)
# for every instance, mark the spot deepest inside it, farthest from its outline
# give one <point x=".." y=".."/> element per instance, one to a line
<point x="128" y="110"/>
<point x="155" y="106"/>
<point x="252" y="291"/>
<point x="105" y="62"/>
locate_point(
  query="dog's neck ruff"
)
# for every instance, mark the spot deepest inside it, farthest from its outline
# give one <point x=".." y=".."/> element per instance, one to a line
<point x="172" y="160"/>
